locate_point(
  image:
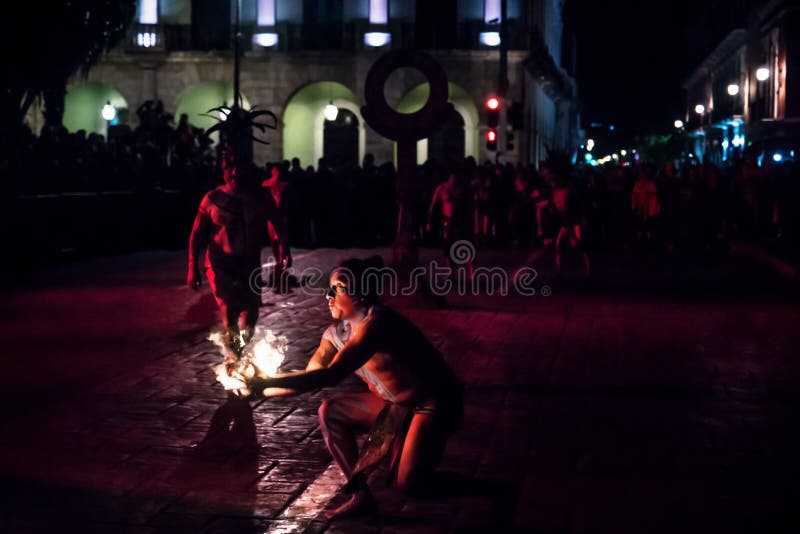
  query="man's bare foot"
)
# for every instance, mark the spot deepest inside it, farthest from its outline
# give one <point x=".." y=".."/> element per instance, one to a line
<point x="362" y="503"/>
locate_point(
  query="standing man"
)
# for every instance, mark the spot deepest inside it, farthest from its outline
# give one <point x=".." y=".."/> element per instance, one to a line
<point x="452" y="196"/>
<point x="276" y="186"/>
<point x="231" y="226"/>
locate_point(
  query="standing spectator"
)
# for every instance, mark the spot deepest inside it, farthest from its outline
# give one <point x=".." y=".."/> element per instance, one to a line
<point x="645" y="204"/>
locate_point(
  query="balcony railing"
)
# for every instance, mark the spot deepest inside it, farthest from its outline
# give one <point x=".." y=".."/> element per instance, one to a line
<point x="146" y="37"/>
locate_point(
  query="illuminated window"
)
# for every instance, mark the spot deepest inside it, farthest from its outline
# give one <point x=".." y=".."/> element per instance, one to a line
<point x="378" y="11"/>
<point x="148" y="12"/>
<point x="266" y="12"/>
<point x="491" y="11"/>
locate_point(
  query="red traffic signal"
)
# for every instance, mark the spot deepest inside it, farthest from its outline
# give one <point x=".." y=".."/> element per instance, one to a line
<point x="491" y="140"/>
<point x="492" y="111"/>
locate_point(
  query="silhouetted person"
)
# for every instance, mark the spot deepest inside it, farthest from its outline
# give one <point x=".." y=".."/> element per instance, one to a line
<point x="230" y="225"/>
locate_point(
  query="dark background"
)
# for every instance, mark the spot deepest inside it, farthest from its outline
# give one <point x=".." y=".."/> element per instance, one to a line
<point x="632" y="58"/>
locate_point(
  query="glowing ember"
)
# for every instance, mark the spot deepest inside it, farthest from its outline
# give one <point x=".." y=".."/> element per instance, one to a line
<point x="261" y="358"/>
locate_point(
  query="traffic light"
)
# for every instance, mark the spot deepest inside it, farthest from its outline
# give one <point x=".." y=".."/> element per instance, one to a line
<point x="509" y="138"/>
<point x="491" y="140"/>
<point x="492" y="111"/>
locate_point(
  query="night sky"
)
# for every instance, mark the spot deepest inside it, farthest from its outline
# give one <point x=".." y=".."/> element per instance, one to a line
<point x="632" y="59"/>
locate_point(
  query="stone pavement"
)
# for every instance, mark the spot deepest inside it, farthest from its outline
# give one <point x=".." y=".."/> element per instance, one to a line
<point x="665" y="404"/>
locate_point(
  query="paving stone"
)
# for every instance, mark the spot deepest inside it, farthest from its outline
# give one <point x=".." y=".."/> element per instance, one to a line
<point x="597" y="410"/>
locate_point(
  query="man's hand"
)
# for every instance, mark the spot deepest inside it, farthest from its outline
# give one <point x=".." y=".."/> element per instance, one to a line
<point x="257" y="385"/>
<point x="194" y="279"/>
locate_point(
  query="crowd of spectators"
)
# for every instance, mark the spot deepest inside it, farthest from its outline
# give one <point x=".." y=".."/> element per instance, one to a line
<point x="496" y="204"/>
<point x="154" y="155"/>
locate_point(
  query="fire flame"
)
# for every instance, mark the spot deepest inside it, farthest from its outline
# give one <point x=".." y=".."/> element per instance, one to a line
<point x="261" y="358"/>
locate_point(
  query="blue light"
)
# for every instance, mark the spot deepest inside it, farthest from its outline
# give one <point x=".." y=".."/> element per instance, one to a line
<point x="587" y="156"/>
<point x="777" y="157"/>
<point x="611" y="127"/>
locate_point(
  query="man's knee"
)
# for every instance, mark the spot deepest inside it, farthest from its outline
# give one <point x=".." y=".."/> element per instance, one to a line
<point x="322" y="412"/>
<point x="326" y="412"/>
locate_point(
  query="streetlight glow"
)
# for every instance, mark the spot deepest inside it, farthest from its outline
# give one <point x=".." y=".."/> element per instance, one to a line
<point x="762" y="73"/>
<point x="678" y="124"/>
<point x="733" y="89"/>
<point x="331" y="111"/>
<point x="699" y="109"/>
<point x="489" y="38"/>
<point x="108" y="112"/>
<point x="589" y="144"/>
<point x="377" y="39"/>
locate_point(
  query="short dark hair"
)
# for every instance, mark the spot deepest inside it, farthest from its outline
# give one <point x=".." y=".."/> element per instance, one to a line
<point x="353" y="272"/>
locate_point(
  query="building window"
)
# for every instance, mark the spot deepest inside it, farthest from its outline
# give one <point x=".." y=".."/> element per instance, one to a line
<point x="378" y="11"/>
<point x="491" y="11"/>
<point x="148" y="12"/>
<point x="266" y="13"/>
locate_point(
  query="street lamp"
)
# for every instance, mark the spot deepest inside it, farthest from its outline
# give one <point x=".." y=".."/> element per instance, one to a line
<point x="589" y="144"/>
<point x="699" y="109"/>
<point x="331" y="111"/>
<point x="108" y="112"/>
<point x="733" y="89"/>
<point x="762" y="73"/>
<point x="678" y="124"/>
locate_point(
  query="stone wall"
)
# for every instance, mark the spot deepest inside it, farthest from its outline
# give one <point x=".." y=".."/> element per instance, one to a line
<point x="269" y="79"/>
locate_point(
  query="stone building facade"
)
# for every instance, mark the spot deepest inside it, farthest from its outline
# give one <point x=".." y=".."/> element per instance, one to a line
<point x="290" y="72"/>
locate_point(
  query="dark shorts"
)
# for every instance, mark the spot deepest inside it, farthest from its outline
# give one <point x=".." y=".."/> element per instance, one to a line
<point x="235" y="290"/>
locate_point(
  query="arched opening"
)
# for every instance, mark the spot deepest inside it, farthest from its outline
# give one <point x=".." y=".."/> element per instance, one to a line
<point x="198" y="99"/>
<point x="305" y="132"/>
<point x="340" y="140"/>
<point x="83" y="108"/>
<point x="467" y="126"/>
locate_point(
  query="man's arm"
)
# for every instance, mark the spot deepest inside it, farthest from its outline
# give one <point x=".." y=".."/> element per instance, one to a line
<point x="281" y="225"/>
<point x="321" y="358"/>
<point x="198" y="241"/>
<point x="436" y="194"/>
<point x="355" y="354"/>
